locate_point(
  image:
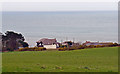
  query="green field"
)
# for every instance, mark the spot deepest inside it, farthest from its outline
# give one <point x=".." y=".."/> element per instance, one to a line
<point x="85" y="60"/>
<point x="0" y="62"/>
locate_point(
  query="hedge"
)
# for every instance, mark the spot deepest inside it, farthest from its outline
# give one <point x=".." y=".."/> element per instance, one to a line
<point x="32" y="49"/>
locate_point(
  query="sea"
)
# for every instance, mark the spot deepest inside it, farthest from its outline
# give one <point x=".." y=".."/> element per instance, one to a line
<point x="77" y="26"/>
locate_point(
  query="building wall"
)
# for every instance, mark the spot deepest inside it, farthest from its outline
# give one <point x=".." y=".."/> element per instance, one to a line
<point x="50" y="46"/>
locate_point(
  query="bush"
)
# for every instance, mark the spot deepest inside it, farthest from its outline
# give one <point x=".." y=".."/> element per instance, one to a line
<point x="63" y="49"/>
<point x="97" y="46"/>
<point x="81" y="47"/>
<point x="110" y="45"/>
<point x="32" y="49"/>
<point x="115" y="44"/>
<point x="62" y="46"/>
<point x="73" y="48"/>
<point x="91" y="46"/>
<point x="9" y="49"/>
<point x="67" y="48"/>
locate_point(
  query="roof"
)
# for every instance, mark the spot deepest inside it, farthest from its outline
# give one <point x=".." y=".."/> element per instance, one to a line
<point x="47" y="41"/>
<point x="96" y="43"/>
<point x="67" y="42"/>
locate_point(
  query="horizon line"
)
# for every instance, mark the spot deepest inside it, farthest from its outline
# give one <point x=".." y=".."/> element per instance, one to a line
<point x="64" y="11"/>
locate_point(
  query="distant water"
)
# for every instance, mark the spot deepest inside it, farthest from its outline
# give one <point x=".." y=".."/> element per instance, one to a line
<point x="80" y="26"/>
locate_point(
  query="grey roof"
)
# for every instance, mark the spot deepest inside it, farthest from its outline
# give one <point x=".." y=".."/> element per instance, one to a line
<point x="47" y="41"/>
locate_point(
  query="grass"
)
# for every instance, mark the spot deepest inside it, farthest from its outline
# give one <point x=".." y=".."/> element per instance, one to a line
<point x="85" y="60"/>
<point x="0" y="62"/>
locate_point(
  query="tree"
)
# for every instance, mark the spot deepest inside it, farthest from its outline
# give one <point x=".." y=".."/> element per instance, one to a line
<point x="11" y="40"/>
<point x="115" y="44"/>
<point x="24" y="44"/>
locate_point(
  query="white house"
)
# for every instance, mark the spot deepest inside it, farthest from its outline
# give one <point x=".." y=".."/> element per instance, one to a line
<point x="48" y="43"/>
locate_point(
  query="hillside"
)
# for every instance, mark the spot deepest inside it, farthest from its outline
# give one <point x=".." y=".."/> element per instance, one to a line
<point x="86" y="60"/>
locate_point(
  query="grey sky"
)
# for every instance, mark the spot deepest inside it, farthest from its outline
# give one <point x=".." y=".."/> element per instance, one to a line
<point x="59" y="0"/>
<point x="59" y="6"/>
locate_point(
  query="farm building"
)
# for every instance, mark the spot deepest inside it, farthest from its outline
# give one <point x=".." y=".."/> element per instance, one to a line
<point x="48" y="43"/>
<point x="87" y="43"/>
<point x="69" y="44"/>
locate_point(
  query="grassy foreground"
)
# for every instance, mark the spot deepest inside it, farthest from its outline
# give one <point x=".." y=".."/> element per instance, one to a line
<point x="0" y="62"/>
<point x="86" y="60"/>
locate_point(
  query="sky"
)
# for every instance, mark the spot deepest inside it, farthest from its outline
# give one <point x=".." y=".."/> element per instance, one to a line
<point x="59" y="6"/>
<point x="59" y="0"/>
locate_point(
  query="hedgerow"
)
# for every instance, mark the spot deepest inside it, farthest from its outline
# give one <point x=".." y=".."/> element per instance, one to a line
<point x="32" y="49"/>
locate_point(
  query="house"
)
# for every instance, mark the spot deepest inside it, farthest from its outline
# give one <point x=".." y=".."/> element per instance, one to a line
<point x="88" y="43"/>
<point x="76" y="44"/>
<point x="69" y="44"/>
<point x="48" y="43"/>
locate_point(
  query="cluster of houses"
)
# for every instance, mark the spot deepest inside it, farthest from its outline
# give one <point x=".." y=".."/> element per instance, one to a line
<point x="11" y="41"/>
<point x="53" y="44"/>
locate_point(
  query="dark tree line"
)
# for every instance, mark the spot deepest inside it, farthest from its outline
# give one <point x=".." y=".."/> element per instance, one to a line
<point x="12" y="41"/>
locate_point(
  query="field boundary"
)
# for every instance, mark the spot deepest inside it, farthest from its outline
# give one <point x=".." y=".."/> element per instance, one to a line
<point x="60" y="73"/>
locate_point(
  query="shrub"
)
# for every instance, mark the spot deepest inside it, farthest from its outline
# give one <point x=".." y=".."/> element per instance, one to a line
<point x="81" y="47"/>
<point x="102" y="45"/>
<point x="9" y="49"/>
<point x="115" y="44"/>
<point x="63" y="49"/>
<point x="110" y="45"/>
<point x="97" y="46"/>
<point x="90" y="46"/>
<point x="73" y="48"/>
<point x="62" y="46"/>
<point x="67" y="48"/>
<point x="32" y="49"/>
